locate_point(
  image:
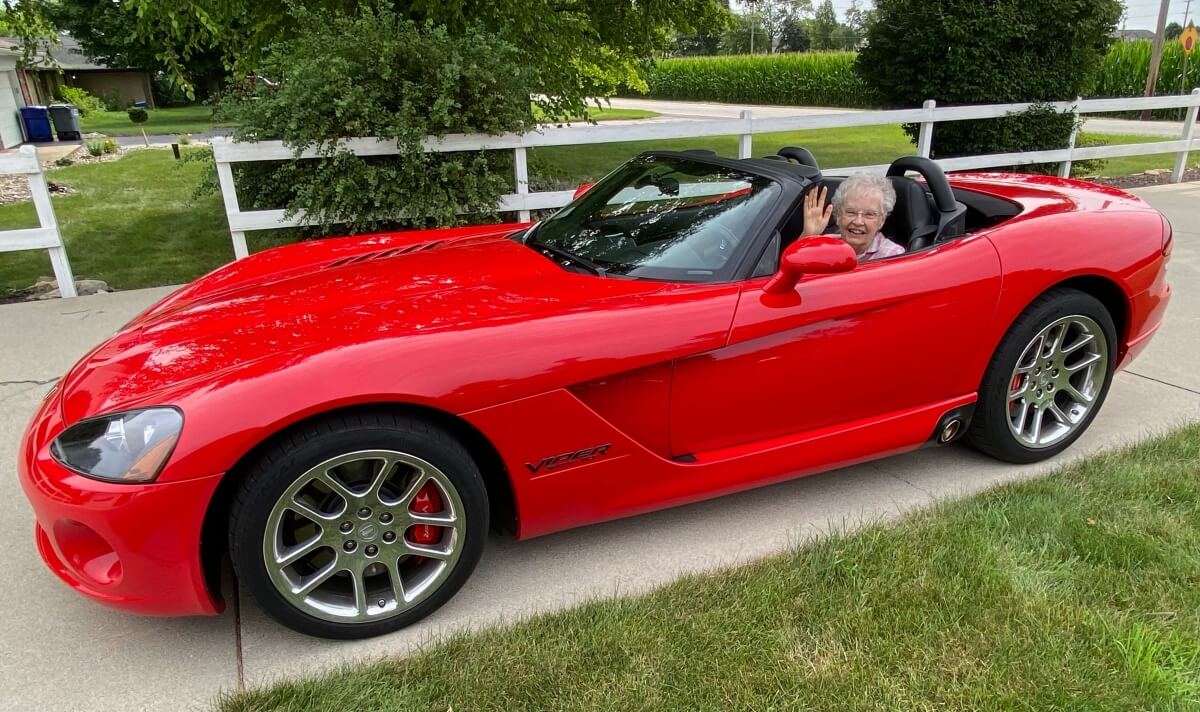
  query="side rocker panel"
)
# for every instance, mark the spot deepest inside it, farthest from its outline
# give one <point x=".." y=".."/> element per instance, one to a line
<point x="628" y="479"/>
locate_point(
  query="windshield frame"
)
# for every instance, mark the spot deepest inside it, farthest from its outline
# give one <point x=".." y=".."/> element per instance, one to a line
<point x="746" y="254"/>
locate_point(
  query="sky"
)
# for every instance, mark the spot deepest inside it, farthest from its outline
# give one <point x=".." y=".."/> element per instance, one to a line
<point x="1142" y="15"/>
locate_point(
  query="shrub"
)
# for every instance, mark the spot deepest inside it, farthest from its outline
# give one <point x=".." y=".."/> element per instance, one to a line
<point x="379" y="74"/>
<point x="138" y="115"/>
<point x="94" y="146"/>
<point x="64" y="162"/>
<point x="183" y="139"/>
<point x="86" y="103"/>
<point x="964" y="51"/>
<point x="110" y="146"/>
<point x="795" y="79"/>
<point x="112" y="100"/>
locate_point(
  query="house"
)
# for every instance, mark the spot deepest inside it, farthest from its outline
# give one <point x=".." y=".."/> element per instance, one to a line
<point x="75" y="69"/>
<point x="11" y="98"/>
<point x="38" y="85"/>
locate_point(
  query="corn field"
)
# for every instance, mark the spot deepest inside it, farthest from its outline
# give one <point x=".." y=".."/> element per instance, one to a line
<point x="828" y="78"/>
<point x="1127" y="63"/>
<point x="797" y="79"/>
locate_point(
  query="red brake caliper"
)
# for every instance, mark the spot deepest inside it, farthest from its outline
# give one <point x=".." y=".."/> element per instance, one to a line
<point x="427" y="501"/>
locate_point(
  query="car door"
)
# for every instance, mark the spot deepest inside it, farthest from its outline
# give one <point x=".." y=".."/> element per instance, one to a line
<point x="887" y="336"/>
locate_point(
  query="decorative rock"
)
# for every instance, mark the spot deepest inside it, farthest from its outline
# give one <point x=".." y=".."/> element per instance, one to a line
<point x="48" y="289"/>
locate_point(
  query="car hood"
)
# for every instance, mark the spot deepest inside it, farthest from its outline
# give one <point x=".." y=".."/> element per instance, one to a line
<point x="367" y="290"/>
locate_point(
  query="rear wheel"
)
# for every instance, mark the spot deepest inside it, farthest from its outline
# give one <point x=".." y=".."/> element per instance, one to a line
<point x="1047" y="380"/>
<point x="359" y="526"/>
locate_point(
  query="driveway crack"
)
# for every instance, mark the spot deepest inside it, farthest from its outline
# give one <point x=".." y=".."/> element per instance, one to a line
<point x="28" y="383"/>
<point x="1165" y="383"/>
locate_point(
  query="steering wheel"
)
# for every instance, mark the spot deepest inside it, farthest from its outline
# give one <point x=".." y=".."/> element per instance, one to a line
<point x="714" y="245"/>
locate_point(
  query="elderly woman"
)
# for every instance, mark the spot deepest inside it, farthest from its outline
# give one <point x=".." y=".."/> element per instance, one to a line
<point x="862" y="202"/>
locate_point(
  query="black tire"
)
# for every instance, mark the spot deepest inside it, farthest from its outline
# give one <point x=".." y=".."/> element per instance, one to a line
<point x="286" y="463"/>
<point x="990" y="431"/>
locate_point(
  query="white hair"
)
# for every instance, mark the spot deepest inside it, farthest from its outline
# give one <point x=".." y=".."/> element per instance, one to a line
<point x="867" y="182"/>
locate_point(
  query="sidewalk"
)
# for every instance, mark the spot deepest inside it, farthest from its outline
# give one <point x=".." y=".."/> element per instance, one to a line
<point x="65" y="653"/>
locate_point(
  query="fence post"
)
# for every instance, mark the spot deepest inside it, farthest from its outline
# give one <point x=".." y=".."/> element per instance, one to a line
<point x="47" y="220"/>
<point x="744" y="140"/>
<point x="1064" y="168"/>
<point x="925" y="137"/>
<point x="229" y="195"/>
<point x="521" y="169"/>
<point x="1189" y="126"/>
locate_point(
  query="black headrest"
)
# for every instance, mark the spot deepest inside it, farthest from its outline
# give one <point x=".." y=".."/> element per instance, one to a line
<point x="913" y="218"/>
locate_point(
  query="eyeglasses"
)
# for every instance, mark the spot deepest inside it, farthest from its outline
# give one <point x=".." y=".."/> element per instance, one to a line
<point x="868" y="215"/>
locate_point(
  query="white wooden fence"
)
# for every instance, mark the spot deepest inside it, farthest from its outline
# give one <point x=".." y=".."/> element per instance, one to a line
<point x="46" y="235"/>
<point x="227" y="152"/>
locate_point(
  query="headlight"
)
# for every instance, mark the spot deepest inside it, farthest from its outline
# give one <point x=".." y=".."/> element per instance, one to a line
<point x="123" y="447"/>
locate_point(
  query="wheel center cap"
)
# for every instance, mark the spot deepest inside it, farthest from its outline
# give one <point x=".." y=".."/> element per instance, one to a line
<point x="368" y="532"/>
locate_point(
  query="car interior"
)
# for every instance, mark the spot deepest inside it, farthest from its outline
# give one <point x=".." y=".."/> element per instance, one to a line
<point x="926" y="213"/>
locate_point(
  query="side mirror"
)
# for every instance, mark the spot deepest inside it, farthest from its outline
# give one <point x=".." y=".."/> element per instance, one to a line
<point x="581" y="190"/>
<point x="810" y="255"/>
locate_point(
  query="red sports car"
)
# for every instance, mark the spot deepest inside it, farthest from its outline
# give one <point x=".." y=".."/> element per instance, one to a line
<point x="345" y="419"/>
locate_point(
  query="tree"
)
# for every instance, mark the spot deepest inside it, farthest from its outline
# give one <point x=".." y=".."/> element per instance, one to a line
<point x="27" y="21"/>
<point x="824" y="26"/>
<point x="574" y="49"/>
<point x="963" y="51"/>
<point x="776" y="15"/>
<point x="1174" y="30"/>
<point x="795" y="37"/>
<point x="746" y="33"/>
<point x="108" y="35"/>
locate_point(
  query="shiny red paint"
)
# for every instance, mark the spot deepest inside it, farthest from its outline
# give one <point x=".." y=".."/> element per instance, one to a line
<point x="697" y="389"/>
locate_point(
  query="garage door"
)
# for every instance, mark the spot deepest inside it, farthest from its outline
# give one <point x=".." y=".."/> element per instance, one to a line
<point x="10" y="123"/>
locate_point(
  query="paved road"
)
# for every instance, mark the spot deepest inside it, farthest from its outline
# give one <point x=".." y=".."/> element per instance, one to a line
<point x="64" y="653"/>
<point x="703" y="110"/>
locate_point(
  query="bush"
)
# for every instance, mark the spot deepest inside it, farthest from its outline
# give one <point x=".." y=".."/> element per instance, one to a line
<point x="804" y="79"/>
<point x="64" y="162"/>
<point x="964" y="51"/>
<point x="94" y="146"/>
<point x="379" y="74"/>
<point x="138" y="115"/>
<point x="86" y="103"/>
<point x="112" y="100"/>
<point x="110" y="146"/>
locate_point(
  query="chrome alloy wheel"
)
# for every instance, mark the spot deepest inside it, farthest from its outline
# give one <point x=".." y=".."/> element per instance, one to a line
<point x="1056" y="381"/>
<point x="364" y="536"/>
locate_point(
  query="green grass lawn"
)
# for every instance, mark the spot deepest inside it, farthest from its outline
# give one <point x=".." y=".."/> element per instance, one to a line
<point x="134" y="223"/>
<point x="854" y="146"/>
<point x="198" y="119"/>
<point x="178" y="120"/>
<point x="1079" y="591"/>
<point x="607" y="114"/>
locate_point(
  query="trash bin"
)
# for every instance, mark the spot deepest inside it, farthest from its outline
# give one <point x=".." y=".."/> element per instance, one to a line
<point x="66" y="121"/>
<point x="36" y="120"/>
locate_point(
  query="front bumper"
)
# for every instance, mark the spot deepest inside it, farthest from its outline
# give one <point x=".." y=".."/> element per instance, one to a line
<point x="132" y="547"/>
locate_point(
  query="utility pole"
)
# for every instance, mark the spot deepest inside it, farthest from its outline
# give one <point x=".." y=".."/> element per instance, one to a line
<point x="1156" y="54"/>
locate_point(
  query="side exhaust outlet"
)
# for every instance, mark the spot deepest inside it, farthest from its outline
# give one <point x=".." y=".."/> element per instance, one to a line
<point x="950" y="430"/>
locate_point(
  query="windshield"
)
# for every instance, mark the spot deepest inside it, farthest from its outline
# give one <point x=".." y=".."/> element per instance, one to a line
<point x="661" y="218"/>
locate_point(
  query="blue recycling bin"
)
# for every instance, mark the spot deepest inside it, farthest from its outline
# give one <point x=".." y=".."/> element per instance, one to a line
<point x="37" y="123"/>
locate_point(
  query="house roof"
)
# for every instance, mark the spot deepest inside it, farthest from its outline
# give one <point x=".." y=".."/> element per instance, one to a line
<point x="1134" y="34"/>
<point x="68" y="55"/>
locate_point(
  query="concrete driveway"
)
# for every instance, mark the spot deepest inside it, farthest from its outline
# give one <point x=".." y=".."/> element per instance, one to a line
<point x="62" y="652"/>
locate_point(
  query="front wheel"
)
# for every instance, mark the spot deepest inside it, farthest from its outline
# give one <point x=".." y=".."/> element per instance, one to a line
<point x="358" y="526"/>
<point x="1047" y="380"/>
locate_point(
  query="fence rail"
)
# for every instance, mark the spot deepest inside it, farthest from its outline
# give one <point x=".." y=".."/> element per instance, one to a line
<point x="46" y="236"/>
<point x="227" y="152"/>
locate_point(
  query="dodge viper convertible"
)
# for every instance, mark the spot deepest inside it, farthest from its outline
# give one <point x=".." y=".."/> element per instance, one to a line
<point x="347" y="419"/>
